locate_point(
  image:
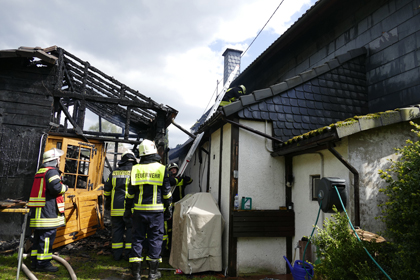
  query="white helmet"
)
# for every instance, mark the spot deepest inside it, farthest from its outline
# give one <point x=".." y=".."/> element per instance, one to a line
<point x="173" y="165"/>
<point x="52" y="155"/>
<point x="129" y="154"/>
<point x="147" y="147"/>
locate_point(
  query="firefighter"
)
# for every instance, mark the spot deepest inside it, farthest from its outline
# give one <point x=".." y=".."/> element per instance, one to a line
<point x="115" y="192"/>
<point x="233" y="94"/>
<point x="178" y="184"/>
<point x="151" y="192"/>
<point x="47" y="210"/>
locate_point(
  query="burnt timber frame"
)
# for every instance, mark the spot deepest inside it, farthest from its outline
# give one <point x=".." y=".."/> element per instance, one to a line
<point x="82" y="86"/>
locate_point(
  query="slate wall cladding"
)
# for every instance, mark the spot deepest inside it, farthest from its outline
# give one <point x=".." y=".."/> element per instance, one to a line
<point x="331" y="97"/>
<point x="389" y="30"/>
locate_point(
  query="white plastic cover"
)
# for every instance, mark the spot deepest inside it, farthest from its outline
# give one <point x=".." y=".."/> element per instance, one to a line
<point x="197" y="234"/>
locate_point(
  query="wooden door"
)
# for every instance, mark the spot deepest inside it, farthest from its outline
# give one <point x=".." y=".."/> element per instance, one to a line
<point x="82" y="166"/>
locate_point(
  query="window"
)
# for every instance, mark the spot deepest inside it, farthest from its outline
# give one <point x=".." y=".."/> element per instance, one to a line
<point x="314" y="180"/>
<point x="76" y="169"/>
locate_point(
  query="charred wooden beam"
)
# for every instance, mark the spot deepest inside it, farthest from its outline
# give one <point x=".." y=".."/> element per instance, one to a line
<point x="104" y="139"/>
<point x="127" y="122"/>
<point x="78" y="130"/>
<point x="105" y="100"/>
<point x="110" y="134"/>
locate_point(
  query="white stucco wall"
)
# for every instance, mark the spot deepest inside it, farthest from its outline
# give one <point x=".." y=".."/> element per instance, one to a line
<point x="261" y="177"/>
<point x="225" y="180"/>
<point x="322" y="163"/>
<point x="370" y="151"/>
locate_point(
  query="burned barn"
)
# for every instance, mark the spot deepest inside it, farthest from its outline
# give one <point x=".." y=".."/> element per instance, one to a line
<point x="45" y="94"/>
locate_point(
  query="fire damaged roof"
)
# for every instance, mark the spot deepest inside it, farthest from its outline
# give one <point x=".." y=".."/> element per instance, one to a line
<point x="80" y="84"/>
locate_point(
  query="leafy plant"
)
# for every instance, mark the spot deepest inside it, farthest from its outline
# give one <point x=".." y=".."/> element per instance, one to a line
<point x="402" y="210"/>
<point x="342" y="255"/>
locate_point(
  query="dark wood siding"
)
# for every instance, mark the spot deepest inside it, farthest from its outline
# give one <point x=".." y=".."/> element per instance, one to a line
<point x="25" y="113"/>
<point x="263" y="223"/>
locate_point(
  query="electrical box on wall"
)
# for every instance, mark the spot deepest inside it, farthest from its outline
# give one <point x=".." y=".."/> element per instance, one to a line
<point x="326" y="193"/>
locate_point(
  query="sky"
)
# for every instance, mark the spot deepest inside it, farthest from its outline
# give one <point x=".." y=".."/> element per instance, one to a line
<point x="169" y="50"/>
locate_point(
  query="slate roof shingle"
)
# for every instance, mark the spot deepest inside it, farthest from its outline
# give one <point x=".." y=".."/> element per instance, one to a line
<point x="318" y="97"/>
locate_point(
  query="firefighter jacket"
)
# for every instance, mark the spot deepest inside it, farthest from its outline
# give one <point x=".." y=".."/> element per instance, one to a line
<point x="116" y="189"/>
<point x="150" y="189"/>
<point x="178" y="186"/>
<point x="46" y="199"/>
<point x="231" y="95"/>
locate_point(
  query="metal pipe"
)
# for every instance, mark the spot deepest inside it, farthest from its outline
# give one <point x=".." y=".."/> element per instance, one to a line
<point x="183" y="129"/>
<point x="220" y="169"/>
<point x="254" y="131"/>
<point x="356" y="184"/>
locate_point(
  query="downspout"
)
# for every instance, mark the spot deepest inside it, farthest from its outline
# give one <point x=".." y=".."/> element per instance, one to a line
<point x="356" y="184"/>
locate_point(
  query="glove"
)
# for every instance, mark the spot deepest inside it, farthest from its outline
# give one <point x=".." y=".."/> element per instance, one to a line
<point x="167" y="215"/>
<point x="108" y="203"/>
<point x="187" y="180"/>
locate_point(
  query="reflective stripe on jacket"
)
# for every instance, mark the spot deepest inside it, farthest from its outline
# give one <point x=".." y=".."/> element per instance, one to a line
<point x="116" y="189"/>
<point x="150" y="187"/>
<point x="46" y="199"/>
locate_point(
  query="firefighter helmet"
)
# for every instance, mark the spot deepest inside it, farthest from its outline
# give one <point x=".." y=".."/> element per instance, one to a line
<point x="52" y="155"/>
<point x="243" y="89"/>
<point x="173" y="165"/>
<point x="147" y="147"/>
<point x="129" y="155"/>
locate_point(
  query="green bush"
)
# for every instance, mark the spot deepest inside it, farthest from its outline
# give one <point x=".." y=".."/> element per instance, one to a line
<point x="401" y="213"/>
<point x="342" y="254"/>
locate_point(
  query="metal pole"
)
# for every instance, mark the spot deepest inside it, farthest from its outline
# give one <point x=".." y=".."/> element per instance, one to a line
<point x="22" y="238"/>
<point x="183" y="129"/>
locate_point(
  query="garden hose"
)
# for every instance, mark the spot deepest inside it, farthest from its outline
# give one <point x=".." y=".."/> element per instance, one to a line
<point x="358" y="235"/>
<point x="309" y="240"/>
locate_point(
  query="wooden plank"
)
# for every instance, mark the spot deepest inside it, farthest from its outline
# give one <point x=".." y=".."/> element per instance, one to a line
<point x="25" y="110"/>
<point x="33" y="121"/>
<point x="88" y="203"/>
<point x="64" y="240"/>
<point x="26" y="98"/>
<point x="264" y="234"/>
<point x="263" y="223"/>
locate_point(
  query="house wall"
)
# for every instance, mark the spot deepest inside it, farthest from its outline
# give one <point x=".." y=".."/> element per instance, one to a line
<point x="25" y="112"/>
<point x="261" y="177"/>
<point x="322" y="163"/>
<point x="223" y="178"/>
<point x="368" y="152"/>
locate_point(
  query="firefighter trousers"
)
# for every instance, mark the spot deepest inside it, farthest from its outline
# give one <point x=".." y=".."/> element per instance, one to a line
<point x="41" y="253"/>
<point x="152" y="224"/>
<point x="121" y="226"/>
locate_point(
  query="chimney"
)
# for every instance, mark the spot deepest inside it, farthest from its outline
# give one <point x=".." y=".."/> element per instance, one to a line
<point x="232" y="58"/>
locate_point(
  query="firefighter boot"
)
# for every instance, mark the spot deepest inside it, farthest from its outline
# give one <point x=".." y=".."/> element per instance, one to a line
<point x="153" y="270"/>
<point x="135" y="270"/>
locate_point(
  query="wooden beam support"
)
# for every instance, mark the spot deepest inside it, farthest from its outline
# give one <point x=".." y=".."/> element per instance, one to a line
<point x="105" y="100"/>
<point x="77" y="129"/>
